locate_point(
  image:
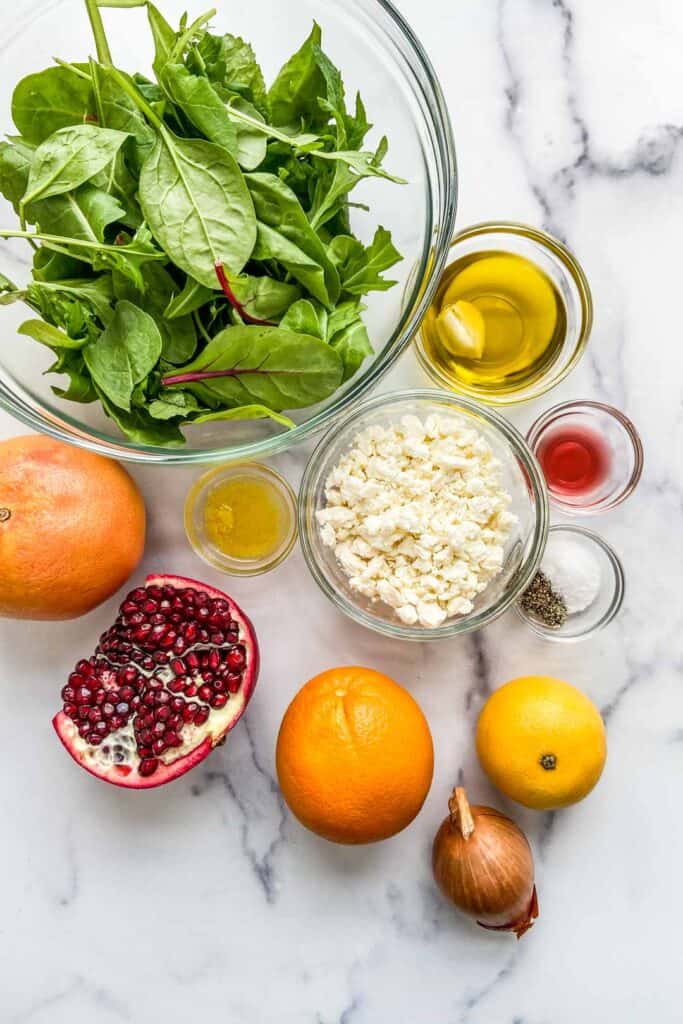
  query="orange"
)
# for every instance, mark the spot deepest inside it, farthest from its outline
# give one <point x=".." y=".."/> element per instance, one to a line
<point x="354" y="756"/>
<point x="541" y="742"/>
<point x="72" y="529"/>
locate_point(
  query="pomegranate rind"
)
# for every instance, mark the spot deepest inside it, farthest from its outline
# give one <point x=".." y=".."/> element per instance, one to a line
<point x="125" y="777"/>
<point x="219" y="724"/>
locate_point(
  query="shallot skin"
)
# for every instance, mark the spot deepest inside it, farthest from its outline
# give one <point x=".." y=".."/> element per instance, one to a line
<point x="483" y="864"/>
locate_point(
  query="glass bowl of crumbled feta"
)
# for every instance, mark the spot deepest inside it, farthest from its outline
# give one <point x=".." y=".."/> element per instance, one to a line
<point x="423" y="514"/>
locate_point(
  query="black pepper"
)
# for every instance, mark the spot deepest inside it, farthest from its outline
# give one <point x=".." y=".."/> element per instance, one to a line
<point x="541" y="601"/>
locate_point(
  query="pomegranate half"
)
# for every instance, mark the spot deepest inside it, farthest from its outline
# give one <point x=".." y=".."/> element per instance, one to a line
<point x="166" y="683"/>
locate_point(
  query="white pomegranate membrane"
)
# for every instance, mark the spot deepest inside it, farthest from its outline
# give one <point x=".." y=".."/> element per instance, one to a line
<point x="167" y="681"/>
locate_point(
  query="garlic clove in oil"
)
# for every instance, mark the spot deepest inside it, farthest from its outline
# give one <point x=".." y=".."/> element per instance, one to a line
<point x="462" y="330"/>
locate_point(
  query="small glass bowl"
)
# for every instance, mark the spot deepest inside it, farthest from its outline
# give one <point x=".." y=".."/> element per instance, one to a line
<point x="622" y="444"/>
<point x="521" y="478"/>
<point x="194" y="519"/>
<point x="564" y="271"/>
<point x="608" y="601"/>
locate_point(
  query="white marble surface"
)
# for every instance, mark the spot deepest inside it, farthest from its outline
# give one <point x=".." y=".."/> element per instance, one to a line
<point x="208" y="899"/>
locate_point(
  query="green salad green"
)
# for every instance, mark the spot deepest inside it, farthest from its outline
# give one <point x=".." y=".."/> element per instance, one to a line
<point x="192" y="253"/>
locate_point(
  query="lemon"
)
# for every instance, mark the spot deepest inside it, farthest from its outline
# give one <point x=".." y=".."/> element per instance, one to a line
<point x="461" y="330"/>
<point x="541" y="742"/>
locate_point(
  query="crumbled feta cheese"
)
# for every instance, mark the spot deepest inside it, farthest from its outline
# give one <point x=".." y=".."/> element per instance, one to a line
<point x="418" y="517"/>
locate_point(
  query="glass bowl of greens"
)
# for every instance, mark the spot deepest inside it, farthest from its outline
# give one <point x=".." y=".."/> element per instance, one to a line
<point x="211" y="244"/>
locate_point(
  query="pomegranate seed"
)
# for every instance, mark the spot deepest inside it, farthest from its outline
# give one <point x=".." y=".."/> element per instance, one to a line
<point x="163" y="697"/>
<point x="168" y="640"/>
<point x="142" y="632"/>
<point x="214" y="660"/>
<point x="178" y="666"/>
<point x="115" y="722"/>
<point x="127" y="693"/>
<point x="202" y="613"/>
<point x="236" y="658"/>
<point x="100" y="696"/>
<point x="94" y="740"/>
<point x="215" y="620"/>
<point x="102" y="728"/>
<point x="160" y="657"/>
<point x="208" y="677"/>
<point x="203" y="636"/>
<point x="148" y="766"/>
<point x="220" y="685"/>
<point x="156" y="593"/>
<point x="76" y="680"/>
<point x="84" y="668"/>
<point x="192" y="660"/>
<point x="205" y="692"/>
<point x="159" y="619"/>
<point x="217" y="639"/>
<point x="145" y="737"/>
<point x="190" y="632"/>
<point x="68" y="693"/>
<point x="202" y="716"/>
<point x="173" y="740"/>
<point x="149" y="699"/>
<point x="177" y="704"/>
<point x="188" y="712"/>
<point x="136" y="618"/>
<point x="234" y="682"/>
<point x="107" y="710"/>
<point x="219" y="701"/>
<point x="178" y="684"/>
<point x="159" y="745"/>
<point x="163" y="714"/>
<point x="122" y="708"/>
<point x="138" y="595"/>
<point x="191" y="690"/>
<point x="147" y="720"/>
<point x="147" y="664"/>
<point x="129" y="675"/>
<point x="159" y="729"/>
<point x="70" y="710"/>
<point x="85" y="726"/>
<point x="83" y="695"/>
<point x="179" y="647"/>
<point x="94" y="715"/>
<point x="128" y="607"/>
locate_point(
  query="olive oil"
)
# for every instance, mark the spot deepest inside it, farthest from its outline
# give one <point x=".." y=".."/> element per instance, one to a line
<point x="497" y="323"/>
<point x="245" y="517"/>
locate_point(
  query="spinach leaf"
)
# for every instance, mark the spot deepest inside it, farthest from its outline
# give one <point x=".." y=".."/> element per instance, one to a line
<point x="15" y="164"/>
<point x="252" y="143"/>
<point x="125" y="353"/>
<point x="278" y="208"/>
<point x="68" y="158"/>
<point x="138" y="426"/>
<point x="271" y="245"/>
<point x="163" y="36"/>
<point x="245" y="412"/>
<point x="192" y="297"/>
<point x="118" y="181"/>
<point x="178" y="336"/>
<point x="49" y="335"/>
<point x="360" y="267"/>
<point x="293" y="96"/>
<point x="118" y="111"/>
<point x="276" y="368"/>
<point x="305" y="317"/>
<point x="352" y="343"/>
<point x="51" y="99"/>
<point x="171" y="403"/>
<point x="198" y="206"/>
<point x="230" y="63"/>
<point x="55" y="266"/>
<point x="84" y="213"/>
<point x="197" y="98"/>
<point x="264" y="297"/>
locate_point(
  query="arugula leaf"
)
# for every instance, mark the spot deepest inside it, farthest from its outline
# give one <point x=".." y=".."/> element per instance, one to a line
<point x="96" y="293"/>
<point x="80" y="387"/>
<point x="196" y="202"/>
<point x="49" y="335"/>
<point x="277" y="368"/>
<point x="51" y="99"/>
<point x="360" y="267"/>
<point x="55" y="266"/>
<point x="352" y="344"/>
<point x="125" y="354"/>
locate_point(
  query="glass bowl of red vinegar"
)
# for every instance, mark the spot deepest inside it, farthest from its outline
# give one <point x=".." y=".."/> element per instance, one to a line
<point x="590" y="454"/>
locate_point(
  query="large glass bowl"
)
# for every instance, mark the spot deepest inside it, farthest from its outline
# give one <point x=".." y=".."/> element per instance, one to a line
<point x="521" y="478"/>
<point x="380" y="56"/>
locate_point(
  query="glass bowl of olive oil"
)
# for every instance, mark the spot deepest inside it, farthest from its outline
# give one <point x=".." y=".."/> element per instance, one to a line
<point x="510" y="318"/>
<point x="241" y="518"/>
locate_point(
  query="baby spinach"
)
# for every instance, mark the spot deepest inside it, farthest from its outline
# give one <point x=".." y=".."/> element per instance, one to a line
<point x="196" y="202"/>
<point x="49" y="100"/>
<point x="68" y="158"/>
<point x="125" y="354"/>
<point x="194" y="259"/>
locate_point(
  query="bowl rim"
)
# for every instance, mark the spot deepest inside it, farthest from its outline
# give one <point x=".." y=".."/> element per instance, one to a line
<point x="577" y="275"/>
<point x="457" y="626"/>
<point x="612" y="610"/>
<point x="546" y="419"/>
<point x="437" y="240"/>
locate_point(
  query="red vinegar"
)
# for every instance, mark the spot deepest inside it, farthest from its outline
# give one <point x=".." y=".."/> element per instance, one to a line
<point x="575" y="460"/>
